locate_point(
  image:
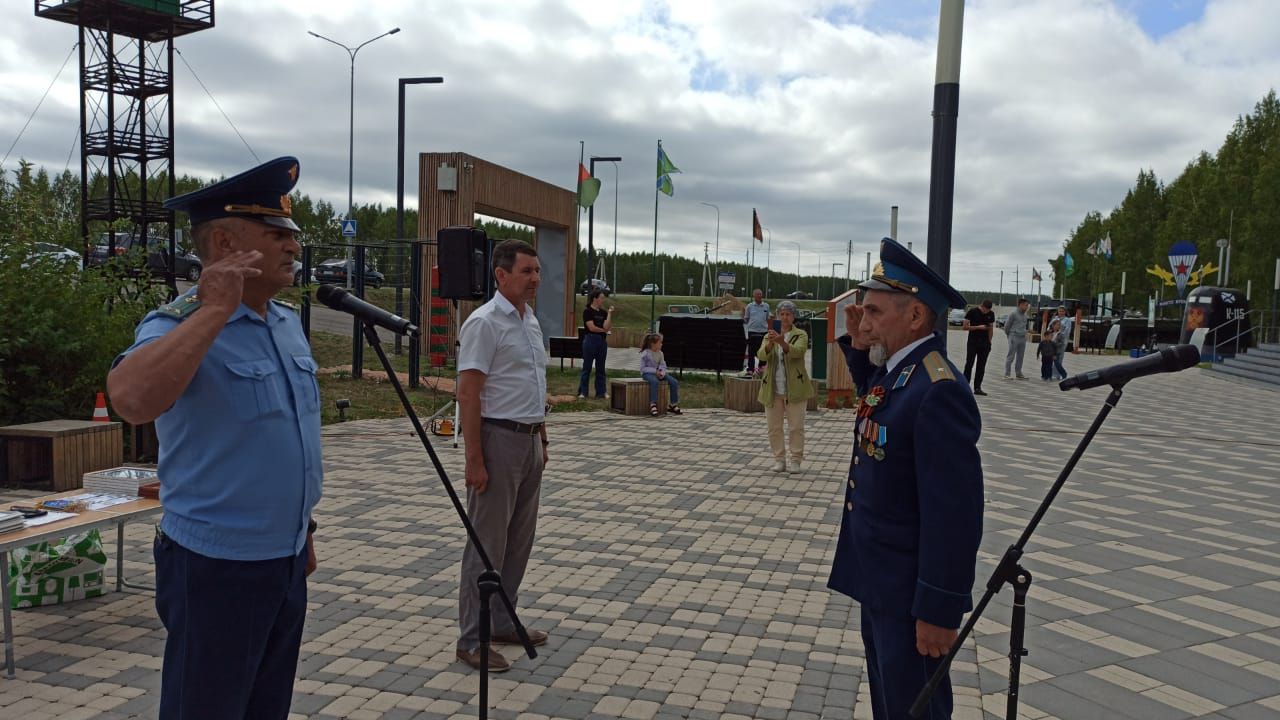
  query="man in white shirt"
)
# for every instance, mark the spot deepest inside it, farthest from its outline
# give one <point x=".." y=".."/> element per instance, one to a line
<point x="502" y="388"/>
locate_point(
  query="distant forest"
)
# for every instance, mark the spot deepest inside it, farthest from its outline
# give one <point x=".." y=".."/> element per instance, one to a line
<point x="1233" y="194"/>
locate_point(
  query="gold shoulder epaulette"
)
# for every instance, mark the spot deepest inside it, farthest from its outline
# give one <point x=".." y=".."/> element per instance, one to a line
<point x="289" y="305"/>
<point x="181" y="307"/>
<point x="937" y="367"/>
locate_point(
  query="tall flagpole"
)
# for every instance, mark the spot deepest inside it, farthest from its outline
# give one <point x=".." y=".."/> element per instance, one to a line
<point x="653" y="273"/>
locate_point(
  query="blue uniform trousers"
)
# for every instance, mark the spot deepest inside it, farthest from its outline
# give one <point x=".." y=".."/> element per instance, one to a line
<point x="234" y="630"/>
<point x="896" y="671"/>
<point x="594" y="351"/>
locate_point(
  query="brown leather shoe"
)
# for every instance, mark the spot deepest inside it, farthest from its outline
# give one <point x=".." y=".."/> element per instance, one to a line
<point x="537" y="637"/>
<point x="497" y="663"/>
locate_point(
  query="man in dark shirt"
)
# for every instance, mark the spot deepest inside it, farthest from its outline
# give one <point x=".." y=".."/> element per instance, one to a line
<point x="980" y="323"/>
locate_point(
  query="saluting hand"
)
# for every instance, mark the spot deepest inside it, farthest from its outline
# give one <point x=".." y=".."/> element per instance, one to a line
<point x="853" y="325"/>
<point x="222" y="283"/>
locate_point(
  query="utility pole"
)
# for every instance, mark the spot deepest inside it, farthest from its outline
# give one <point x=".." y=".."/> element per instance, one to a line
<point x="705" y="269"/>
<point x="867" y="275"/>
<point x="893" y="222"/>
<point x="848" y="264"/>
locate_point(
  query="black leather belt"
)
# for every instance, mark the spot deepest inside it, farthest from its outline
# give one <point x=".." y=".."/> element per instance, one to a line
<point x="512" y="425"/>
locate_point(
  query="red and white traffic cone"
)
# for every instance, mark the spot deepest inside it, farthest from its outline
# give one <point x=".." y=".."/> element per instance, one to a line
<point x="100" y="409"/>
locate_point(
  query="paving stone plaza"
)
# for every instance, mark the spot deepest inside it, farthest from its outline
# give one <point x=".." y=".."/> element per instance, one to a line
<point x="680" y="578"/>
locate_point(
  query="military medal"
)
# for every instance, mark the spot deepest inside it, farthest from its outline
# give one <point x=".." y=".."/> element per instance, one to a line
<point x="868" y="402"/>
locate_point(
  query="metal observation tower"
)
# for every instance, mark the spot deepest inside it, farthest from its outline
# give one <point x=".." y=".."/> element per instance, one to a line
<point x="126" y="110"/>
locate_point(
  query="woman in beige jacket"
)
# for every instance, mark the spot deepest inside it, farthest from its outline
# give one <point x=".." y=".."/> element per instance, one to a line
<point x="786" y="388"/>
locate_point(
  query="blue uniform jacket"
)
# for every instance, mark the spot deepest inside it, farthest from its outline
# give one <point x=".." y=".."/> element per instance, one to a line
<point x="240" y="464"/>
<point x="913" y="504"/>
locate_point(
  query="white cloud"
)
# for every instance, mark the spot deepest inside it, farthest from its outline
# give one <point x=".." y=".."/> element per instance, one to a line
<point x="817" y="113"/>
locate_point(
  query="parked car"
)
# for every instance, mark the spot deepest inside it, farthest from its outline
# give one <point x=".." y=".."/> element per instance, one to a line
<point x="955" y="317"/>
<point x="55" y="252"/>
<point x="594" y="283"/>
<point x="797" y="295"/>
<point x="297" y="273"/>
<point x="1001" y="320"/>
<point x="186" y="264"/>
<point x="334" y="272"/>
<point x="650" y="289"/>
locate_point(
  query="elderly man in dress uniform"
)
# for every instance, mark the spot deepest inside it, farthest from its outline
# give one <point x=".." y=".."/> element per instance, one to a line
<point x="913" y="505"/>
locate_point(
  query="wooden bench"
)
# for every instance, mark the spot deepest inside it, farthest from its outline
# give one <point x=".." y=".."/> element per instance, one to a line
<point x="630" y="396"/>
<point x="60" y="451"/>
<point x="742" y="394"/>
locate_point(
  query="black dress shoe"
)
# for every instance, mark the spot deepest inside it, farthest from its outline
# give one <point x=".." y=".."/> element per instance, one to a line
<point x="978" y="391"/>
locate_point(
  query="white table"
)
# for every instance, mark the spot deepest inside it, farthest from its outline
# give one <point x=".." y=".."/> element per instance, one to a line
<point x="118" y="515"/>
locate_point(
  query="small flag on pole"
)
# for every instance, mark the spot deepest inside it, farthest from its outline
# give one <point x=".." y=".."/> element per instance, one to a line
<point x="756" y="231"/>
<point x="665" y="168"/>
<point x="1068" y="265"/>
<point x="1035" y="275"/>
<point x="588" y="187"/>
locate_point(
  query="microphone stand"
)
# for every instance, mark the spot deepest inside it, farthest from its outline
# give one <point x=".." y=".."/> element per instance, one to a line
<point x="489" y="581"/>
<point x="1010" y="571"/>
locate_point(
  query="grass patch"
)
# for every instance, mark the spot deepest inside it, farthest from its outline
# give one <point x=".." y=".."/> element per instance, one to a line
<point x="375" y="400"/>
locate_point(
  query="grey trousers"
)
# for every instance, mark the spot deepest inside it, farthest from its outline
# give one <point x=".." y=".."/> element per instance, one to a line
<point x="1018" y="348"/>
<point x="505" y="518"/>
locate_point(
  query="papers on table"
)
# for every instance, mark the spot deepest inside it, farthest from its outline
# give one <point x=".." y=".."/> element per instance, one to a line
<point x="99" y="501"/>
<point x="50" y="516"/>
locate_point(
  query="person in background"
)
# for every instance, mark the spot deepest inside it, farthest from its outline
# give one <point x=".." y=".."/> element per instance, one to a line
<point x="755" y="316"/>
<point x="980" y="323"/>
<point x="1062" y="336"/>
<point x="786" y="388"/>
<point x="1047" y="351"/>
<point x="228" y="377"/>
<point x="653" y="368"/>
<point x="1015" y="328"/>
<point x="595" y="347"/>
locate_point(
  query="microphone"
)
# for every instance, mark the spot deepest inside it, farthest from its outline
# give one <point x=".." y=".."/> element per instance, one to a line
<point x="1171" y="359"/>
<point x="343" y="301"/>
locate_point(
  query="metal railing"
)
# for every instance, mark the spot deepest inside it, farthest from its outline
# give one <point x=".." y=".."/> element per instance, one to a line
<point x="1247" y="332"/>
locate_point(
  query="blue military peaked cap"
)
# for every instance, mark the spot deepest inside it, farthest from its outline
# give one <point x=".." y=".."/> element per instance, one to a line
<point x="899" y="270"/>
<point x="260" y="194"/>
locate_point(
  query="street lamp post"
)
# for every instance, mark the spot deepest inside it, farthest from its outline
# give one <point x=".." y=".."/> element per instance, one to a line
<point x="415" y="303"/>
<point x="716" y="288"/>
<point x="797" y="264"/>
<point x="615" y="227"/>
<point x="351" y="134"/>
<point x="591" y="221"/>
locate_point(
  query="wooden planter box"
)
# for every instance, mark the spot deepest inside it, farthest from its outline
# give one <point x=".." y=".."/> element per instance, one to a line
<point x="742" y="394"/>
<point x="60" y="451"/>
<point x="630" y="396"/>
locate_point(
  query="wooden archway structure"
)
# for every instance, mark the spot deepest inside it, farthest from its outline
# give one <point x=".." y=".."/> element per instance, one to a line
<point x="456" y="186"/>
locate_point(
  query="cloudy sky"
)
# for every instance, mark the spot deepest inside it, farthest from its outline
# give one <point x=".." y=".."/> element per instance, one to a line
<point x="816" y="112"/>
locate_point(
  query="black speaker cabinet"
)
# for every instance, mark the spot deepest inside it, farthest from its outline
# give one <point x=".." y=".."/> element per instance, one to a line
<point x="463" y="253"/>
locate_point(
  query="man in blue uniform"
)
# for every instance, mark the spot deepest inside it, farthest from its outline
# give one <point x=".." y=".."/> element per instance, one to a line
<point x="227" y="375"/>
<point x="913" y="506"/>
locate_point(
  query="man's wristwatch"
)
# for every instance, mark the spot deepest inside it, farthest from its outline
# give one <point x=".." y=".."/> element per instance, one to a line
<point x="311" y="527"/>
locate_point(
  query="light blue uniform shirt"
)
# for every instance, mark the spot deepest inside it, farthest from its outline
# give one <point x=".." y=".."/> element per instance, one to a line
<point x="240" y="466"/>
<point x="757" y="317"/>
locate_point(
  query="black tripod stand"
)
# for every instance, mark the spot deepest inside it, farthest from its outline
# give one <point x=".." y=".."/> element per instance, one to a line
<point x="489" y="581"/>
<point x="1009" y="571"/>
